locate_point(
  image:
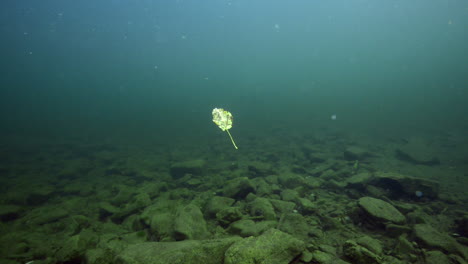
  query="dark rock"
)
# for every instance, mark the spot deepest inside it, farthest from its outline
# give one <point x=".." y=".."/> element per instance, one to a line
<point x="417" y="151"/>
<point x="404" y="156"/>
<point x="395" y="186"/>
<point x="179" y="169"/>
<point x="462" y="226"/>
<point x="39" y="195"/>
<point x="238" y="188"/>
<point x="10" y="212"/>
<point x="259" y="169"/>
<point x="356" y="153"/>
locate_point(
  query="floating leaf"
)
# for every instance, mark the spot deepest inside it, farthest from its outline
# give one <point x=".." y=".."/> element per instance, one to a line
<point x="223" y="119"/>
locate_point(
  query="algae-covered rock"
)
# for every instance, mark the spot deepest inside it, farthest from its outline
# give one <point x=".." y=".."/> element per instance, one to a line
<point x="75" y="247"/>
<point x="9" y="212"/>
<point x="247" y="227"/>
<point x="216" y="204"/>
<point x="272" y="247"/>
<point x="189" y="223"/>
<point x="323" y="257"/>
<point x="305" y="206"/>
<point x="39" y="194"/>
<point x="262" y="207"/>
<point x="437" y="257"/>
<point x="282" y="207"/>
<point x="139" y="202"/>
<point x="229" y="215"/>
<point x="294" y="224"/>
<point x="99" y="256"/>
<point x="179" y="169"/>
<point x="181" y="252"/>
<point x="360" y="254"/>
<point x="162" y="226"/>
<point x="381" y="211"/>
<point x="47" y="215"/>
<point x="259" y="169"/>
<point x="289" y="195"/>
<point x="371" y="244"/>
<point x="243" y="228"/>
<point x="238" y="188"/>
<point x="433" y="239"/>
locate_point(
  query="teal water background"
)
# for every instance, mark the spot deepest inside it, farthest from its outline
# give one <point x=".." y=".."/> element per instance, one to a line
<point x="155" y="69"/>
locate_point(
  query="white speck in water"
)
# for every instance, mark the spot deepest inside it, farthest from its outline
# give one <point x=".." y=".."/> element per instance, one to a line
<point x="333" y="117"/>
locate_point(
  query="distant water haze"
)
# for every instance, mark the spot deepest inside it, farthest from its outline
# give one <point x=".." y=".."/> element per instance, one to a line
<point x="110" y="67"/>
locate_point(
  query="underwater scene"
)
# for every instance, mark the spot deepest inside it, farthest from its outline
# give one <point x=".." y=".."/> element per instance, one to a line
<point x="234" y="132"/>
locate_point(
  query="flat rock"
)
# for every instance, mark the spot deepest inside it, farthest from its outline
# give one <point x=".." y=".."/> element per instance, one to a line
<point x="181" y="252"/>
<point x="433" y="239"/>
<point x="272" y="247"/>
<point x="381" y="210"/>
